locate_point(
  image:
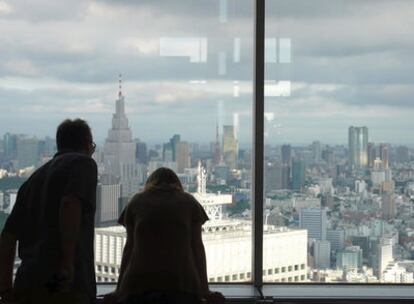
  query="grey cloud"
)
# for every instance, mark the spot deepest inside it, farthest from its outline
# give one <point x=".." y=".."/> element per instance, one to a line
<point x="45" y="10"/>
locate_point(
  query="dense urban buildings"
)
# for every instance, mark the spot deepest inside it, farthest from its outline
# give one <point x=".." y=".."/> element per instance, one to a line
<point x="334" y="213"/>
<point x="349" y="220"/>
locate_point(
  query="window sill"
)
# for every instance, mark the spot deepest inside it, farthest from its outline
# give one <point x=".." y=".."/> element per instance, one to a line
<point x="305" y="292"/>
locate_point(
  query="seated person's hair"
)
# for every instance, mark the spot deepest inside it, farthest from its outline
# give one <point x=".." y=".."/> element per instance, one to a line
<point x="163" y="179"/>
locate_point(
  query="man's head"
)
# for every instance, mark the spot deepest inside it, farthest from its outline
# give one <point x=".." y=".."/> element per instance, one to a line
<point x="75" y="135"/>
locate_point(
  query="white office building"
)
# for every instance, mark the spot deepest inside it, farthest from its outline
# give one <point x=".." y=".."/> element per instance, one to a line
<point x="228" y="251"/>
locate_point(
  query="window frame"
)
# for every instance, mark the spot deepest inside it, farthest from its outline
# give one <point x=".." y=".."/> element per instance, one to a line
<point x="256" y="288"/>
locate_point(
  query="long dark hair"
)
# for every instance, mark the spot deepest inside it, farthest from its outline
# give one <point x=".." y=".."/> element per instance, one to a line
<point x="163" y="179"/>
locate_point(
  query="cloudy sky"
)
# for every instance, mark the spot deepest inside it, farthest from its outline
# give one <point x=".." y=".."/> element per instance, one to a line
<point x="187" y="65"/>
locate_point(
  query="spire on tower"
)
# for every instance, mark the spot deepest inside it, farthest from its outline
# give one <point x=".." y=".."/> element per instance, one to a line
<point x="120" y="85"/>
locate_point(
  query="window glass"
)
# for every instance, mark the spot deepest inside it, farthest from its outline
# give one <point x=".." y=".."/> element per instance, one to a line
<point x="338" y="154"/>
<point x="162" y="84"/>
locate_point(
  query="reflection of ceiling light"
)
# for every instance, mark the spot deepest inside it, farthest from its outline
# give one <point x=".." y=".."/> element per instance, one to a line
<point x="269" y="116"/>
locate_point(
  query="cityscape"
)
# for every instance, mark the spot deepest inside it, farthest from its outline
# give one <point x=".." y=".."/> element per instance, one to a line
<point x="333" y="213"/>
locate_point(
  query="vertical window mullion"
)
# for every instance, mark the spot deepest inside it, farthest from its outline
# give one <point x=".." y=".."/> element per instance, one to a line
<point x="258" y="136"/>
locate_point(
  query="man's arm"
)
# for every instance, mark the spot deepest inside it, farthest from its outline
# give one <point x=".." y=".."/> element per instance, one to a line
<point x="70" y="215"/>
<point x="200" y="257"/>
<point x="8" y="243"/>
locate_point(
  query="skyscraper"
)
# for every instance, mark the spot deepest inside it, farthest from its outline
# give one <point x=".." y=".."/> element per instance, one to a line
<point x="316" y="151"/>
<point x="182" y="156"/>
<point x="384" y="155"/>
<point x="403" y="154"/>
<point x="169" y="149"/>
<point x="372" y="155"/>
<point x="230" y="147"/>
<point x="298" y="174"/>
<point x="315" y="221"/>
<point x="10" y="146"/>
<point x="120" y="150"/>
<point x="358" y="147"/>
<point x="388" y="206"/>
<point x="217" y="152"/>
<point x="286" y="154"/>
<point x="141" y="152"/>
<point x="27" y="152"/>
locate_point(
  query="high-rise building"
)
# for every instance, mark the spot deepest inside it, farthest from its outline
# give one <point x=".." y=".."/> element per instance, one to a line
<point x="285" y="176"/>
<point x="315" y="221"/>
<point x="141" y="152"/>
<point x="10" y="146"/>
<point x="349" y="259"/>
<point x="298" y="174"/>
<point x="388" y="206"/>
<point x="363" y="242"/>
<point x="47" y="147"/>
<point x="403" y="154"/>
<point x="182" y="156"/>
<point x="329" y="156"/>
<point x="322" y="254"/>
<point x="107" y="204"/>
<point x="286" y="154"/>
<point x="358" y="147"/>
<point x="169" y="149"/>
<point x="216" y="149"/>
<point x="372" y="154"/>
<point x="27" y="152"/>
<point x="230" y="147"/>
<point x="276" y="176"/>
<point x="337" y="238"/>
<point x="316" y="151"/>
<point x="271" y="177"/>
<point x="384" y="257"/>
<point x="384" y="155"/>
<point x="120" y="150"/>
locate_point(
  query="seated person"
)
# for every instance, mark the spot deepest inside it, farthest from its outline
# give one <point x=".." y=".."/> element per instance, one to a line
<point x="164" y="259"/>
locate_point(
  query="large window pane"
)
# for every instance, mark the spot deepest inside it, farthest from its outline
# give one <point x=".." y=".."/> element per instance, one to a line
<point x="184" y="101"/>
<point x="338" y="154"/>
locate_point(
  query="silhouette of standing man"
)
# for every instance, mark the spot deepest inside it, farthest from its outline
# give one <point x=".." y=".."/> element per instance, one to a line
<point x="53" y="223"/>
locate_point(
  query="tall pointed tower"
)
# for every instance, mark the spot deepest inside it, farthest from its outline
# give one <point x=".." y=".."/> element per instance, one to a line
<point x="119" y="149"/>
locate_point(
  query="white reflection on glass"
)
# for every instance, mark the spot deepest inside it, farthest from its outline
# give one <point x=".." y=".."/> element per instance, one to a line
<point x="193" y="47"/>
<point x="285" y="50"/>
<point x="270" y="50"/>
<point x="223" y="11"/>
<point x="277" y="89"/>
<point x="236" y="50"/>
<point x="236" y="89"/>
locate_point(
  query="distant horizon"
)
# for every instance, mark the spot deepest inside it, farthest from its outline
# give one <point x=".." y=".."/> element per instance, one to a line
<point x="244" y="145"/>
